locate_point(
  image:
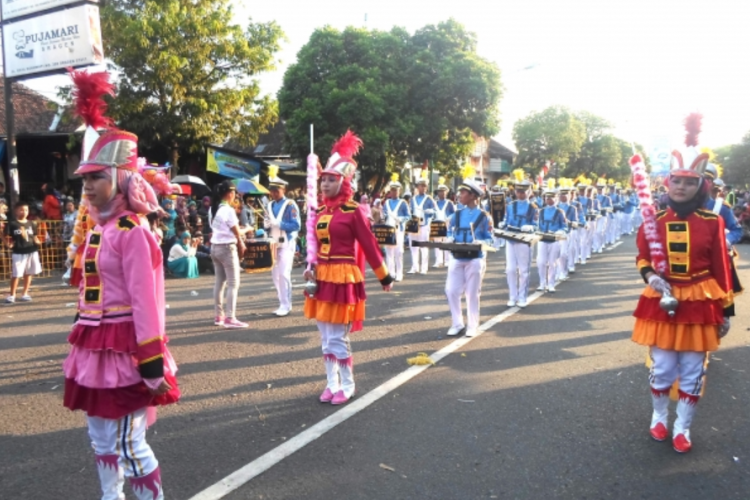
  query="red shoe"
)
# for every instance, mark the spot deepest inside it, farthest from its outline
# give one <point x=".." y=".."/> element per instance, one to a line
<point x="339" y="398"/>
<point x="659" y="432"/>
<point x="327" y="396"/>
<point x="681" y="444"/>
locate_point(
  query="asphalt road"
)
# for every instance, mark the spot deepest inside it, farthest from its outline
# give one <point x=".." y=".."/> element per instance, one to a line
<point x="552" y="402"/>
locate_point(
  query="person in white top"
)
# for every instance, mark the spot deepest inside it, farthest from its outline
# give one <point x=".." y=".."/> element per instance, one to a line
<point x="227" y="246"/>
<point x="283" y="223"/>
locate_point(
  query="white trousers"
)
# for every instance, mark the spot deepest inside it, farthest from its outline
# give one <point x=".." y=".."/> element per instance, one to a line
<point x="600" y="233"/>
<point x="334" y="339"/>
<point x="612" y="224"/>
<point x="584" y="243"/>
<point x="442" y="257"/>
<point x="627" y="223"/>
<point x="517" y="268"/>
<point x="546" y="262"/>
<point x="121" y="450"/>
<point x="420" y="256"/>
<point x="465" y="278"/>
<point x="394" y="257"/>
<point x="637" y="219"/>
<point x="568" y="253"/>
<point x="282" y="274"/>
<point x="668" y="366"/>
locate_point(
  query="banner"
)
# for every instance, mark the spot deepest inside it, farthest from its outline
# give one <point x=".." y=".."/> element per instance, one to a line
<point x="53" y="41"/>
<point x="229" y="165"/>
<point x="17" y="8"/>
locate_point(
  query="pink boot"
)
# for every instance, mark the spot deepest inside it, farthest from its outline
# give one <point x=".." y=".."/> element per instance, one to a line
<point x="346" y="370"/>
<point x="148" y="487"/>
<point x="332" y="377"/>
<point x="111" y="477"/>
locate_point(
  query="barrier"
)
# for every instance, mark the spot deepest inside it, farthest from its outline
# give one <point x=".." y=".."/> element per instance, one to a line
<point x="52" y="252"/>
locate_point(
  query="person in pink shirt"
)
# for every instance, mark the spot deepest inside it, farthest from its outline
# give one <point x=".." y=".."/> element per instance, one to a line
<point x="119" y="368"/>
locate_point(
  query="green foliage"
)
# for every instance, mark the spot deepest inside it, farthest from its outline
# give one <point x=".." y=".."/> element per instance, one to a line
<point x="736" y="162"/>
<point x="408" y="97"/>
<point x="554" y="134"/>
<point x="186" y="72"/>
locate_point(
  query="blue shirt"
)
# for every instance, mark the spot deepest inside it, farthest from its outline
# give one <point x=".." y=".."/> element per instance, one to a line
<point x="428" y="207"/>
<point x="520" y="213"/>
<point x="290" y="221"/>
<point x="552" y="219"/>
<point x="604" y="201"/>
<point x="399" y="209"/>
<point x="733" y="227"/>
<point x="570" y="211"/>
<point x="471" y="225"/>
<point x="630" y="203"/>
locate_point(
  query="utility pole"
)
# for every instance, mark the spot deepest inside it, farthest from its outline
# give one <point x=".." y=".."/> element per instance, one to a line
<point x="10" y="143"/>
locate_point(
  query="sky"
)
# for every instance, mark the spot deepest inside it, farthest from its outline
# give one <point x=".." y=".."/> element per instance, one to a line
<point x="642" y="64"/>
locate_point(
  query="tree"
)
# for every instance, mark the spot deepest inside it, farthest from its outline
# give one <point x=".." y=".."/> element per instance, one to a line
<point x="554" y="134"/>
<point x="408" y="97"/>
<point x="600" y="152"/>
<point x="186" y="73"/>
<point x="737" y="162"/>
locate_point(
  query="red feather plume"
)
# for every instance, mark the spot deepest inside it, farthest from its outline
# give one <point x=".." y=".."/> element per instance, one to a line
<point x="88" y="92"/>
<point x="693" y="127"/>
<point x="348" y="146"/>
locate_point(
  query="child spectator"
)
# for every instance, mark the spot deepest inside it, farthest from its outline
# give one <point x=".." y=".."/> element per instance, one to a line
<point x="21" y="237"/>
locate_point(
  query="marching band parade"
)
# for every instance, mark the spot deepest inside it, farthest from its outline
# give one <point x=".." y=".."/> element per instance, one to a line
<point x="325" y="245"/>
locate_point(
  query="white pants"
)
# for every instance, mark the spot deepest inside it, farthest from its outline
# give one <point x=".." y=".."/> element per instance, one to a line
<point x="668" y="366"/>
<point x="282" y="274"/>
<point x="498" y="242"/>
<point x="465" y="278"/>
<point x="611" y="234"/>
<point x="418" y="253"/>
<point x="584" y="243"/>
<point x="517" y="268"/>
<point x="600" y="233"/>
<point x="121" y="450"/>
<point x="546" y="262"/>
<point x="394" y="257"/>
<point x="627" y="223"/>
<point x="442" y="257"/>
<point x="637" y="219"/>
<point x="568" y="252"/>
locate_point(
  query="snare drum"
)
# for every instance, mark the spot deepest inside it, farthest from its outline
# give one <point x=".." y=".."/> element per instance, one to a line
<point x="412" y="226"/>
<point x="385" y="234"/>
<point x="438" y="229"/>
<point x="259" y="256"/>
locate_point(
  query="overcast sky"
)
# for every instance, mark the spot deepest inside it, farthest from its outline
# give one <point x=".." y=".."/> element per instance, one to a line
<point x="642" y="64"/>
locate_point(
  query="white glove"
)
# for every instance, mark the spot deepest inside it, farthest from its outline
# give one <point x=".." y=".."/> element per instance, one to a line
<point x="724" y="328"/>
<point x="501" y="224"/>
<point x="560" y="232"/>
<point x="527" y="228"/>
<point x="659" y="284"/>
<point x="266" y="223"/>
<point x="449" y="239"/>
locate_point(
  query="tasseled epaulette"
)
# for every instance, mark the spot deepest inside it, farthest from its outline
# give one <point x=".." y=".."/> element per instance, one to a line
<point x="706" y="214"/>
<point x="127" y="222"/>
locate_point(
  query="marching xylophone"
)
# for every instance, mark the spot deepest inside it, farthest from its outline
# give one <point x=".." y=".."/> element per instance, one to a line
<point x="454" y="247"/>
<point x="552" y="237"/>
<point x="516" y="236"/>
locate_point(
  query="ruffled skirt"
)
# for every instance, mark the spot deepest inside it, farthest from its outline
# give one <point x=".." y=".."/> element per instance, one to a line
<point x="341" y="294"/>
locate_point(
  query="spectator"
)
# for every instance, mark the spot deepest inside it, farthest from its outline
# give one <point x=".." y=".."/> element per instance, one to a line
<point x="376" y="212"/>
<point x="203" y="210"/>
<point x="182" y="260"/>
<point x="51" y="209"/>
<point x="193" y="217"/>
<point x="169" y="219"/>
<point x="21" y="237"/>
<point x="364" y="202"/>
<point x="69" y="221"/>
<point x="3" y="195"/>
<point x="203" y="254"/>
<point x="247" y="215"/>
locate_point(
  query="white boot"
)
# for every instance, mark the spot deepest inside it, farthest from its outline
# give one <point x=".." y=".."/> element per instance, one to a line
<point x="346" y="370"/>
<point x="660" y="417"/>
<point x="332" y="376"/>
<point x="111" y="477"/>
<point x="148" y="487"/>
<point x="681" y="431"/>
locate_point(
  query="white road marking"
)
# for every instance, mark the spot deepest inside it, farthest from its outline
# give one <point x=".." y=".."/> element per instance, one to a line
<point x="263" y="463"/>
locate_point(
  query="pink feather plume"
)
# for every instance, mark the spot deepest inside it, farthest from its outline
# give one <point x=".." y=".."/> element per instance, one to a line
<point x="693" y="128"/>
<point x="348" y="145"/>
<point x="88" y="92"/>
<point x="312" y="210"/>
<point x="648" y="212"/>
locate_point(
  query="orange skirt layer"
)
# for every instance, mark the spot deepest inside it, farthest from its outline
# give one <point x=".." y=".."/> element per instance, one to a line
<point x="675" y="336"/>
<point x="341" y="273"/>
<point x="330" y="312"/>
<point x="705" y="290"/>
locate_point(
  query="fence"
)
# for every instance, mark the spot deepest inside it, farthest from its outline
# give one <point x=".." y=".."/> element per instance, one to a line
<point x="52" y="252"/>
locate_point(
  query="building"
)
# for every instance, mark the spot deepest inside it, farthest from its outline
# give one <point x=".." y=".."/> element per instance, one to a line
<point x="491" y="160"/>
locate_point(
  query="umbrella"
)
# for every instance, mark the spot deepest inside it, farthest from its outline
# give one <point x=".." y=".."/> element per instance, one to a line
<point x="249" y="186"/>
<point x="197" y="185"/>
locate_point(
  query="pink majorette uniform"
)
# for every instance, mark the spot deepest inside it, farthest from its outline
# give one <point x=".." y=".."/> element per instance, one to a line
<point x="119" y="353"/>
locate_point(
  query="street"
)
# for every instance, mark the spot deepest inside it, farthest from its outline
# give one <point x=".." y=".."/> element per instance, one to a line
<point x="549" y="402"/>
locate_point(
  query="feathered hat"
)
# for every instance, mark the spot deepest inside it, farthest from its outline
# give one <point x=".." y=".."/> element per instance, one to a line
<point x="274" y="181"/>
<point x="422" y="177"/>
<point x="601" y="182"/>
<point x="113" y="148"/>
<point x="583" y="182"/>
<point x="441" y="184"/>
<point x="520" y="180"/>
<point x="468" y="183"/>
<point x="690" y="162"/>
<point x="342" y="162"/>
<point x="550" y="189"/>
<point x="566" y="185"/>
<point x="394" y="184"/>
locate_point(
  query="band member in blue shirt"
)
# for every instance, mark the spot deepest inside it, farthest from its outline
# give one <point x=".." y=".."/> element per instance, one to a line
<point x="396" y="213"/>
<point x="444" y="210"/>
<point x="422" y="210"/>
<point x="520" y="216"/>
<point x="551" y="221"/>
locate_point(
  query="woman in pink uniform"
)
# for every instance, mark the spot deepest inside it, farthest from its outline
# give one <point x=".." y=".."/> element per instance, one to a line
<point x="119" y="367"/>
